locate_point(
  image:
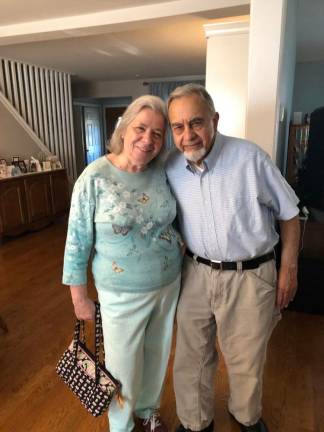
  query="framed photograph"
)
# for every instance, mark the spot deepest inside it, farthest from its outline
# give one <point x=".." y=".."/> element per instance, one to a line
<point x="33" y="166"/>
<point x="15" y="159"/>
<point x="47" y="166"/>
<point x="3" y="162"/>
<point x="22" y="166"/>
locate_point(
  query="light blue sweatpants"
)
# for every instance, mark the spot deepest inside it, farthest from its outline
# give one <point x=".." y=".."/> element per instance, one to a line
<point x="137" y="330"/>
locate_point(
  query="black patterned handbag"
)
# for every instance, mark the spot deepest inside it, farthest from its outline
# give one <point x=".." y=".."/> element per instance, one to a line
<point x="83" y="372"/>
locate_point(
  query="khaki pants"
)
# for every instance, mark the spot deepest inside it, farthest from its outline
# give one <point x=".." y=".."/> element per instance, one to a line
<point x="240" y="308"/>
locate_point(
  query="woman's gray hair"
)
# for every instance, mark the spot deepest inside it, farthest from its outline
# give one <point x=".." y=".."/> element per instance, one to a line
<point x="156" y="104"/>
<point x="189" y="90"/>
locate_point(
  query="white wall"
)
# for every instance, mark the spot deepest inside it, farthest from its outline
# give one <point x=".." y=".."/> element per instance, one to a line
<point x="226" y="73"/>
<point x="14" y="140"/>
<point x="115" y="89"/>
<point x="309" y="87"/>
<point x="286" y="83"/>
<point x="101" y="89"/>
<point x="266" y="29"/>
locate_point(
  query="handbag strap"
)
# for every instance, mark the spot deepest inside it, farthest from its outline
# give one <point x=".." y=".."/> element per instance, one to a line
<point x="79" y="336"/>
<point x="76" y="336"/>
<point x="98" y="340"/>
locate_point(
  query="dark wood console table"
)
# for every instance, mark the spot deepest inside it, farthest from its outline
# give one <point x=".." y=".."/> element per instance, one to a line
<point x="32" y="201"/>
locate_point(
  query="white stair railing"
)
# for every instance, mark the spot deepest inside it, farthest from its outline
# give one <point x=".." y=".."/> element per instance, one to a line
<point x="42" y="101"/>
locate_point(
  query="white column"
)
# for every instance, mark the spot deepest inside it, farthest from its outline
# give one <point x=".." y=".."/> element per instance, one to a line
<point x="267" y="26"/>
<point x="226" y="71"/>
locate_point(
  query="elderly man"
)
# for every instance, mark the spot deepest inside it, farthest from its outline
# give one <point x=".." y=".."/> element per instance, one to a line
<point x="229" y="197"/>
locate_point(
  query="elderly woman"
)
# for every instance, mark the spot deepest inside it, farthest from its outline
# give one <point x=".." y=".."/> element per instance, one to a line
<point x="122" y="211"/>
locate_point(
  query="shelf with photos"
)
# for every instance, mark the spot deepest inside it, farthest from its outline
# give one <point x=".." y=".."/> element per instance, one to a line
<point x="297" y="149"/>
<point x="19" y="166"/>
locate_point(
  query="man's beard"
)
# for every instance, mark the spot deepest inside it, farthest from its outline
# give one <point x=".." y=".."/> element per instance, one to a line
<point x="195" y="156"/>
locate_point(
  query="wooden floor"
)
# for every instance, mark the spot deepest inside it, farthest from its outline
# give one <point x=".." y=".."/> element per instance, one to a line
<point x="39" y="316"/>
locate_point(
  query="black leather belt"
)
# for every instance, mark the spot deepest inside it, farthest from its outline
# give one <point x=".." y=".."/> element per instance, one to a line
<point x="230" y="265"/>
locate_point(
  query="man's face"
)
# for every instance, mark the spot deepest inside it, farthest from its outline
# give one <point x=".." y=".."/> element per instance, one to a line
<point x="193" y="127"/>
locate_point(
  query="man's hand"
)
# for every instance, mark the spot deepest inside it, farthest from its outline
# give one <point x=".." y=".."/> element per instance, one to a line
<point x="287" y="286"/>
<point x="287" y="278"/>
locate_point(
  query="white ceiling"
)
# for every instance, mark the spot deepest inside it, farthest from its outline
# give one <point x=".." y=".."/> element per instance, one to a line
<point x="165" y="47"/>
<point x="112" y="40"/>
<point x="102" y="40"/>
<point x="12" y="11"/>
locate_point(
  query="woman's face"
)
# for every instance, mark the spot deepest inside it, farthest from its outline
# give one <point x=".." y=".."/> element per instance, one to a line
<point x="144" y="137"/>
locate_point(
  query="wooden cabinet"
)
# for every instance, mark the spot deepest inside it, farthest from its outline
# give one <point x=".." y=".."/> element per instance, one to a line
<point x="38" y="200"/>
<point x="32" y="201"/>
<point x="60" y="196"/>
<point x="13" y="211"/>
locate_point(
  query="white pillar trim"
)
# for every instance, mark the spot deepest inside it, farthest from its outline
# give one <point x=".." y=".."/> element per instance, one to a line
<point x="266" y="42"/>
<point x="236" y="25"/>
<point x="226" y="71"/>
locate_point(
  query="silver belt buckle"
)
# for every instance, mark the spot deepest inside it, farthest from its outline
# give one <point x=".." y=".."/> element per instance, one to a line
<point x="216" y="262"/>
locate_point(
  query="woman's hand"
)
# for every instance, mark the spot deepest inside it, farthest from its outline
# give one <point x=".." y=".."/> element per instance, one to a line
<point x="84" y="307"/>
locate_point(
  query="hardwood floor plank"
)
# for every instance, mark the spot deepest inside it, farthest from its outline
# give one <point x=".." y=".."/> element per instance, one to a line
<point x="38" y="312"/>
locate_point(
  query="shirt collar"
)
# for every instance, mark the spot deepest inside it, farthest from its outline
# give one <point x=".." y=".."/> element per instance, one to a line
<point x="210" y="160"/>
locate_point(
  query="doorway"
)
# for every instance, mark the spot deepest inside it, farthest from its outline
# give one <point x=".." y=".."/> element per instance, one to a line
<point x="92" y="133"/>
<point x="112" y="114"/>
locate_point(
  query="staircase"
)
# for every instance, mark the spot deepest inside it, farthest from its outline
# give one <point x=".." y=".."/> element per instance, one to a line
<point x="40" y="99"/>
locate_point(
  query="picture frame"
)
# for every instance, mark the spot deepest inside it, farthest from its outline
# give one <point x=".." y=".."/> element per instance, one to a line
<point x="33" y="167"/>
<point x="22" y="166"/>
<point x="3" y="162"/>
<point x="15" y="159"/>
<point x="15" y="163"/>
<point x="47" y="166"/>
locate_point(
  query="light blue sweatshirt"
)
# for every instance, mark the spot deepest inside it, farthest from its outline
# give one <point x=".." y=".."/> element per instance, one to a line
<point x="125" y="220"/>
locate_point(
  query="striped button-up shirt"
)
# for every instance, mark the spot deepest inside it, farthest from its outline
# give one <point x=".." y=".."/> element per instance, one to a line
<point x="227" y="211"/>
